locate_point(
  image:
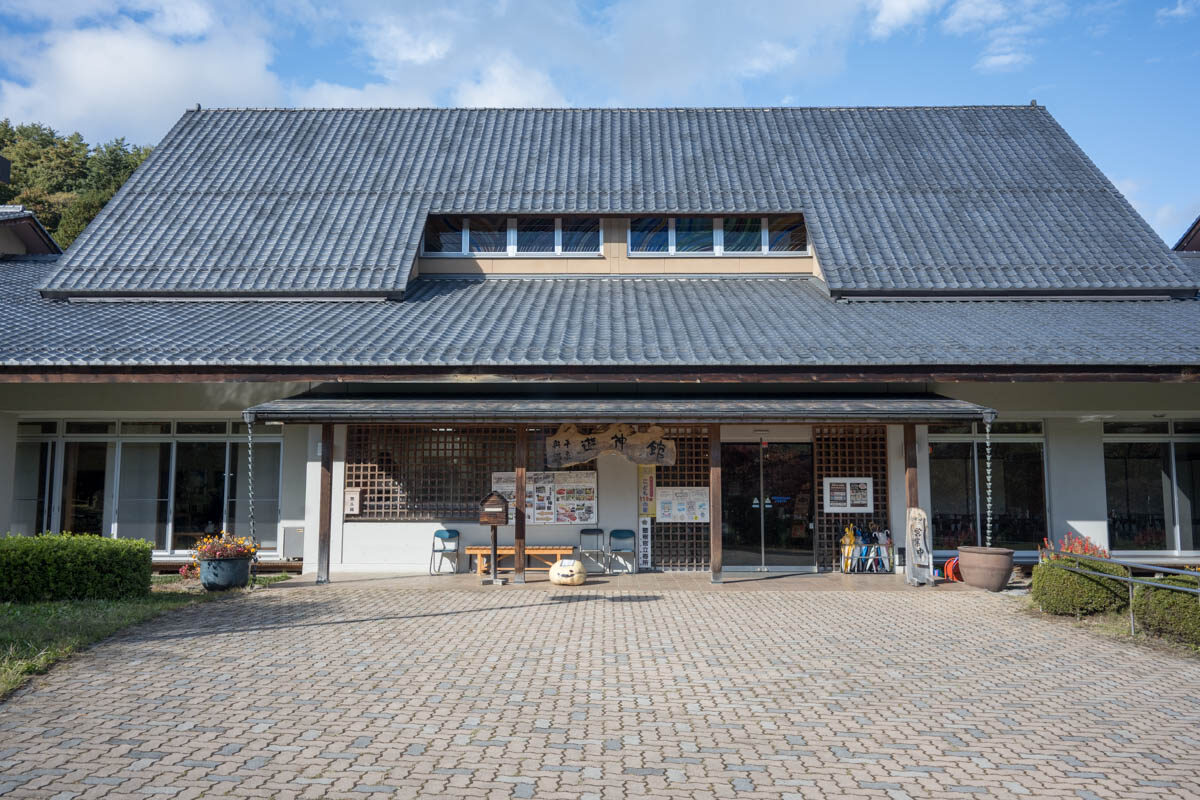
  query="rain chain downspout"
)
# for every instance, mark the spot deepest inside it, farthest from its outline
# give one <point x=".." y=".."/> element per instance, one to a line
<point x="987" y="444"/>
<point x="249" y="419"/>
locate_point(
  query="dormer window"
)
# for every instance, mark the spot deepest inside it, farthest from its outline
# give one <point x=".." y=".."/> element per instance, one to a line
<point x="718" y="236"/>
<point x="511" y="236"/>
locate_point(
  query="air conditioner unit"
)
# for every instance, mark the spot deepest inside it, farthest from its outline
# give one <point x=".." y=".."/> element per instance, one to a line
<point x="293" y="544"/>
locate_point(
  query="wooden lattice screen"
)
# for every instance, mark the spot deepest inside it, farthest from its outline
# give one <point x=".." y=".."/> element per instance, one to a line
<point x="425" y="472"/>
<point x="848" y="451"/>
<point x="683" y="545"/>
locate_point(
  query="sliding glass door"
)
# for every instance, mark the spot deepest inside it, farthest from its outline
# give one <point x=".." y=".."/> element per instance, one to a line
<point x="143" y="498"/>
<point x="767" y="505"/>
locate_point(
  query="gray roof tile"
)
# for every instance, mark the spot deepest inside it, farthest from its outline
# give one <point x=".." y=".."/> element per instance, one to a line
<point x="590" y="321"/>
<point x="332" y="201"/>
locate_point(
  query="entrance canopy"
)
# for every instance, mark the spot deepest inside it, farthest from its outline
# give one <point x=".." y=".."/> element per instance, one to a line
<point x="600" y="408"/>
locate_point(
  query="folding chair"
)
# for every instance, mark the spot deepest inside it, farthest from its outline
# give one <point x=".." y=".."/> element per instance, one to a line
<point x="620" y="541"/>
<point x="445" y="544"/>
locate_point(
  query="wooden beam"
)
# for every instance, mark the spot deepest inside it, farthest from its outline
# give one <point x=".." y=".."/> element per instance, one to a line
<point x="715" y="554"/>
<point x="911" y="492"/>
<point x="325" y="528"/>
<point x="522" y="459"/>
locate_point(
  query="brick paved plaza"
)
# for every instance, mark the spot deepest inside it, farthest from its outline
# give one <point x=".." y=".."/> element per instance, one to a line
<point x="657" y="687"/>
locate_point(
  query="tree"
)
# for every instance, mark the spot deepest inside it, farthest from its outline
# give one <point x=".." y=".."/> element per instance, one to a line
<point x="60" y="178"/>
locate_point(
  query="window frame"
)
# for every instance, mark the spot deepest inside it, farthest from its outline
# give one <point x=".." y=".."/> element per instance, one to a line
<point x="1170" y="438"/>
<point x="511" y="250"/>
<point x="60" y="439"/>
<point x="718" y="250"/>
<point x="977" y="440"/>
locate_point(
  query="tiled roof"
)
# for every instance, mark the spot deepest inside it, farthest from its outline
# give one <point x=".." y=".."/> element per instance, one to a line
<point x="585" y="321"/>
<point x="332" y="201"/>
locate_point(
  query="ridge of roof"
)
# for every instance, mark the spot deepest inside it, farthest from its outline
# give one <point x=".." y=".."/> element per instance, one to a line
<point x="616" y="108"/>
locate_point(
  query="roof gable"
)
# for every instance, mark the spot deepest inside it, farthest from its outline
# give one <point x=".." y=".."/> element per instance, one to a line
<point x="962" y="199"/>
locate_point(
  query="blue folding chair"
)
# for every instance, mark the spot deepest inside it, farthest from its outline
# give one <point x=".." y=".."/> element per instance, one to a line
<point x="620" y="541"/>
<point x="445" y="544"/>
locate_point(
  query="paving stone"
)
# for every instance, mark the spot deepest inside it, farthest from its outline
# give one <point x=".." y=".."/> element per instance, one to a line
<point x="450" y="690"/>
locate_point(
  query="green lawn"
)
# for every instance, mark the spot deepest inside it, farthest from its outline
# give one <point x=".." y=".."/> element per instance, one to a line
<point x="34" y="636"/>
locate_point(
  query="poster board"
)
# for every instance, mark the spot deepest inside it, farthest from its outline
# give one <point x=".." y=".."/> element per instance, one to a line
<point x="849" y="496"/>
<point x="551" y="498"/>
<point x="647" y="475"/>
<point x="682" y="504"/>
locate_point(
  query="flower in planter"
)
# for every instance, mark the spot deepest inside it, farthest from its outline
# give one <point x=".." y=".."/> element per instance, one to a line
<point x="190" y="571"/>
<point x="225" y="545"/>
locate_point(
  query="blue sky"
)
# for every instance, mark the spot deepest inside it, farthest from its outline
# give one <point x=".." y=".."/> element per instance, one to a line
<point x="1120" y="75"/>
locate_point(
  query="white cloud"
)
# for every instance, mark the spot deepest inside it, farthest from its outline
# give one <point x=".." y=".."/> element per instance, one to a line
<point x="768" y="57"/>
<point x="1181" y="10"/>
<point x="505" y="83"/>
<point x="1009" y="28"/>
<point x="129" y="80"/>
<point x="892" y="15"/>
<point x="393" y="46"/>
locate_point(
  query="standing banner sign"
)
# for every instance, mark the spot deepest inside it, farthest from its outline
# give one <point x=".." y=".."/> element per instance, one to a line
<point x="645" y="536"/>
<point x="647" y="474"/>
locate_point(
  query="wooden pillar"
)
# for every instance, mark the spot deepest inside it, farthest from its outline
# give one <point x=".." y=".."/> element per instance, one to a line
<point x="715" y="558"/>
<point x="521" y="462"/>
<point x="326" y="521"/>
<point x="911" y="495"/>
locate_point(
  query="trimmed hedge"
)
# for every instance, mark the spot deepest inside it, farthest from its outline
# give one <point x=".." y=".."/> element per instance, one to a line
<point x="70" y="567"/>
<point x="1172" y="615"/>
<point x="1057" y="591"/>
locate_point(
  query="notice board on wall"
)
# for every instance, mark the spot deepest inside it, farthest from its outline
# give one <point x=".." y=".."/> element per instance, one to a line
<point x="681" y="504"/>
<point x="552" y="498"/>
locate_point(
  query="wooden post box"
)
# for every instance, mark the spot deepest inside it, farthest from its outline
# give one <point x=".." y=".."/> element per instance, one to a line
<point x="493" y="510"/>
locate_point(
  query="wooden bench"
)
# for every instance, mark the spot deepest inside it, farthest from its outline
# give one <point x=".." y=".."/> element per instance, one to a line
<point x="543" y="554"/>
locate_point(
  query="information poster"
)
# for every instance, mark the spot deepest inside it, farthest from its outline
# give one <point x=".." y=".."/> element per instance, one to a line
<point x="564" y="498"/>
<point x="686" y="504"/>
<point x="647" y="474"/>
<point x="849" y="496"/>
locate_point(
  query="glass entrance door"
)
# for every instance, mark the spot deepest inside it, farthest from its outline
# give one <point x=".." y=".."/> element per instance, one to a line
<point x="767" y="506"/>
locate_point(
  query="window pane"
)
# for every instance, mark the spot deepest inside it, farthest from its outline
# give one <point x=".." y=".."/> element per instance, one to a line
<point x="1018" y="494"/>
<point x="487" y="234"/>
<point x="443" y="235"/>
<point x="39" y="428"/>
<point x="143" y="492"/>
<point x="1181" y="426"/>
<point x="85" y="474"/>
<point x="1015" y="427"/>
<point x="648" y="235"/>
<point x="1135" y="427"/>
<point x="199" y="428"/>
<point x="1187" y="474"/>
<point x="92" y="428"/>
<point x="266" y="493"/>
<point x="952" y="495"/>
<point x="581" y="235"/>
<point x="743" y="234"/>
<point x="535" y="234"/>
<point x="146" y="428"/>
<point x="260" y="429"/>
<point x="30" y="488"/>
<point x="787" y="234"/>
<point x="958" y="427"/>
<point x="1137" y="478"/>
<point x="693" y="235"/>
<point x="199" y="491"/>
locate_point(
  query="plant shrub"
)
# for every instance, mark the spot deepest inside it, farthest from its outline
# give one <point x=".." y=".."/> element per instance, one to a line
<point x="1057" y="591"/>
<point x="70" y="567"/>
<point x="1173" y="615"/>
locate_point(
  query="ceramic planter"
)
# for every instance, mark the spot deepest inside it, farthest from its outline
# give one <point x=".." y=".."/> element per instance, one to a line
<point x="985" y="567"/>
<point x="218" y="574"/>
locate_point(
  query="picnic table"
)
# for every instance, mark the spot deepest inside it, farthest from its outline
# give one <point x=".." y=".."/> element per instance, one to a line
<point x="542" y="554"/>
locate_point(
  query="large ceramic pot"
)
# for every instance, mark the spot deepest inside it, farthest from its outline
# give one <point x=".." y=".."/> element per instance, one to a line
<point x="985" y="567"/>
<point x="218" y="574"/>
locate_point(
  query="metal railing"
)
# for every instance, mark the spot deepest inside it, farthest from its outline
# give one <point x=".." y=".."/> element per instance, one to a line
<point x="1128" y="580"/>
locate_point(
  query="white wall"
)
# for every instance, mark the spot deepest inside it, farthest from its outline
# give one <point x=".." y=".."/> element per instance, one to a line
<point x="1075" y="479"/>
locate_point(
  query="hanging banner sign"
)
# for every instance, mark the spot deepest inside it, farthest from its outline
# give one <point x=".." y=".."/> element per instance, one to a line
<point x="565" y="498"/>
<point x="647" y="474"/>
<point x="568" y="446"/>
<point x="682" y="504"/>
